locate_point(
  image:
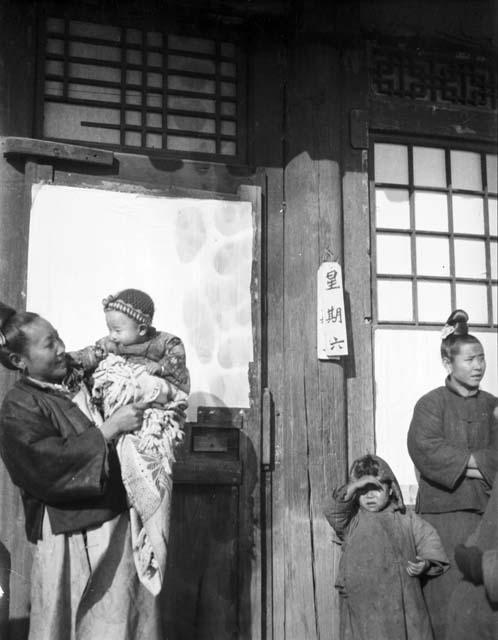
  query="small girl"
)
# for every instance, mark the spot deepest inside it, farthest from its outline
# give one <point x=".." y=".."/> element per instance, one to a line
<point x="453" y="442"/>
<point x="137" y="363"/>
<point x="385" y="549"/>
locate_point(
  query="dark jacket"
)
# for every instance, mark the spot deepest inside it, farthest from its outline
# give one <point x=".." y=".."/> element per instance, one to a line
<point x="473" y="609"/>
<point x="59" y="460"/>
<point x="446" y="428"/>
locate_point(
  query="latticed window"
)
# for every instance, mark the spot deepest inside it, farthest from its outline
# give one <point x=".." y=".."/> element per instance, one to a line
<point x="138" y="89"/>
<point x="435" y="229"/>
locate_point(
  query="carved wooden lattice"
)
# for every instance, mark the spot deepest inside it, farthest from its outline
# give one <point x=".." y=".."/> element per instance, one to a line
<point x="451" y="78"/>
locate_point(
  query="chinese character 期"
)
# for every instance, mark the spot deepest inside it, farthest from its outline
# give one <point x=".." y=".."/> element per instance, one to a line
<point x="334" y="314"/>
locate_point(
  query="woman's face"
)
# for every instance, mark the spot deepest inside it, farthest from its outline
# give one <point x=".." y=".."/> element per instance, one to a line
<point x="45" y="356"/>
<point x="468" y="365"/>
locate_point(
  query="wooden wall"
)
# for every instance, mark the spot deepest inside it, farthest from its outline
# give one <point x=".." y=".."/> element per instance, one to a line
<point x="301" y="146"/>
<point x="17" y="63"/>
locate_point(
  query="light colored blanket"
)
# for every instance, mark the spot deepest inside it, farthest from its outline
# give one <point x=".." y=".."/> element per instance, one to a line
<point x="146" y="457"/>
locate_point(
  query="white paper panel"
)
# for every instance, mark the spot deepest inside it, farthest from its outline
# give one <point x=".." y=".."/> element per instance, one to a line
<point x="474" y="299"/>
<point x="431" y="211"/>
<point x="493" y="216"/>
<point x="433" y="256"/>
<point x="192" y="256"/>
<point x="466" y="170"/>
<point x="391" y="163"/>
<point x="492" y="173"/>
<point x="468" y="214"/>
<point x="392" y="208"/>
<point x="429" y="168"/>
<point x="493" y="250"/>
<point x="470" y="258"/>
<point x="407" y="365"/>
<point x="394" y="301"/>
<point x="434" y="300"/>
<point x="393" y="254"/>
<point x="63" y="121"/>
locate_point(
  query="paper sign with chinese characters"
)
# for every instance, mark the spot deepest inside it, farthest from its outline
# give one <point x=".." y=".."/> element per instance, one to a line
<point x="332" y="339"/>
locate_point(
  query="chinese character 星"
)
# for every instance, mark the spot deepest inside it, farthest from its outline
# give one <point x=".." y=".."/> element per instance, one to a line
<point x="332" y="280"/>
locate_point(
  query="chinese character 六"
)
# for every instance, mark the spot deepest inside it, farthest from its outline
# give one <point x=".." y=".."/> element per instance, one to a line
<point x="335" y="343"/>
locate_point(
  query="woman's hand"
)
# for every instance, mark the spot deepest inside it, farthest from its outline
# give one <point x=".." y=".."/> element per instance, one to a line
<point x="126" y="419"/>
<point x="417" y="568"/>
<point x="473" y="473"/>
<point x="472" y="470"/>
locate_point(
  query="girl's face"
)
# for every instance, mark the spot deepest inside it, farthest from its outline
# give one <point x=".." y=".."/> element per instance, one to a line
<point x="45" y="356"/>
<point x="123" y="329"/>
<point x="374" y="499"/>
<point x="468" y="366"/>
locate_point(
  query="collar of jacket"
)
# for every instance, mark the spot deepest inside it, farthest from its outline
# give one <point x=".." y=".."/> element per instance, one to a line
<point x="451" y="387"/>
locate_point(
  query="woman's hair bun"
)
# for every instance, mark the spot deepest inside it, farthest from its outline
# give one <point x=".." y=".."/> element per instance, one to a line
<point x="6" y="313"/>
<point x="459" y="319"/>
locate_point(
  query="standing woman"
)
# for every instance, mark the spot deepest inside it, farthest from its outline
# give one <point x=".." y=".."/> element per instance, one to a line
<point x="453" y="442"/>
<point x="83" y="584"/>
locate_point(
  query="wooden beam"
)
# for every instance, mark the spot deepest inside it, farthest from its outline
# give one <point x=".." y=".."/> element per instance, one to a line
<point x="217" y="472"/>
<point x="357" y="276"/>
<point x="314" y="437"/>
<point x="30" y="147"/>
<point x="406" y="117"/>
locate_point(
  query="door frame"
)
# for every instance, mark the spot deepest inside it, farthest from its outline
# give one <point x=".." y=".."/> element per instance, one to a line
<point x="84" y="167"/>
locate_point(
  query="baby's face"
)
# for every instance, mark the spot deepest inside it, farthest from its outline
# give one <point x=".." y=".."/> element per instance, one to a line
<point x="374" y="499"/>
<point x="123" y="329"/>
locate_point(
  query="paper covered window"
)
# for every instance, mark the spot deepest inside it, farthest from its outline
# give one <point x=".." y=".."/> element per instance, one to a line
<point x="138" y="89"/>
<point x="435" y="228"/>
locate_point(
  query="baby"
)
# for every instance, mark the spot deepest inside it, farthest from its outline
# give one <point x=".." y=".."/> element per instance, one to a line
<point x="137" y="363"/>
<point x="385" y="550"/>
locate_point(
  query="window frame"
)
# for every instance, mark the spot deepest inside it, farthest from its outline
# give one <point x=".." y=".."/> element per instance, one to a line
<point x="179" y="27"/>
<point x="448" y="144"/>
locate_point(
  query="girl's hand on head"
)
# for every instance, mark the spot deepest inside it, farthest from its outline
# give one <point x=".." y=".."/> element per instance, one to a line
<point x="126" y="419"/>
<point x="417" y="568"/>
<point x="356" y="485"/>
<point x="365" y="480"/>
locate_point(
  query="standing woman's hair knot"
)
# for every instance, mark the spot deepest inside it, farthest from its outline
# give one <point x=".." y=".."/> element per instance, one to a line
<point x="455" y="333"/>
<point x="12" y="336"/>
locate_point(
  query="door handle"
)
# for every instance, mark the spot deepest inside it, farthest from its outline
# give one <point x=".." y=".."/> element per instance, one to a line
<point x="266" y="429"/>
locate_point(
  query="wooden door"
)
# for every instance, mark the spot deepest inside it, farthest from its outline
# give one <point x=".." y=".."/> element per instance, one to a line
<point x="209" y="282"/>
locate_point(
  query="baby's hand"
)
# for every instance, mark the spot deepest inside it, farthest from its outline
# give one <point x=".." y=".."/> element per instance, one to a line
<point x="417" y="568"/>
<point x="153" y="368"/>
<point x="100" y="349"/>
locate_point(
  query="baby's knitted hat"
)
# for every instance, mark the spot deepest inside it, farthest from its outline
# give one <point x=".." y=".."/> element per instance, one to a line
<point x="132" y="302"/>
